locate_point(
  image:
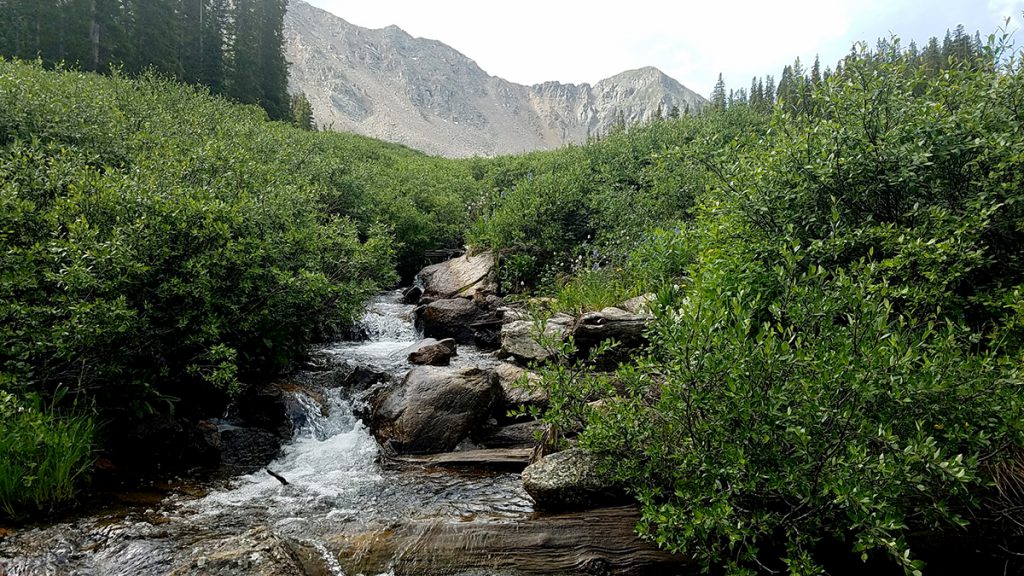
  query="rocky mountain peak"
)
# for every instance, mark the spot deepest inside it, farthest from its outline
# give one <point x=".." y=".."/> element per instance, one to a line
<point x="425" y="94"/>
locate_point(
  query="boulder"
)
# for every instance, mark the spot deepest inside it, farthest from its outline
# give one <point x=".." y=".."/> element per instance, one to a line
<point x="520" y="387"/>
<point x="277" y="407"/>
<point x="433" y="409"/>
<point x="640" y="305"/>
<point x="595" y="327"/>
<point x="568" y="480"/>
<point x="512" y="314"/>
<point x="412" y="295"/>
<point x="164" y="444"/>
<point x="458" y="318"/>
<point x="431" y="352"/>
<point x="519" y="338"/>
<point x="246" y="450"/>
<point x="459" y="277"/>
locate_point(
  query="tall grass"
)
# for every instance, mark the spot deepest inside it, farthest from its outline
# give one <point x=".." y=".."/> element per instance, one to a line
<point x="43" y="456"/>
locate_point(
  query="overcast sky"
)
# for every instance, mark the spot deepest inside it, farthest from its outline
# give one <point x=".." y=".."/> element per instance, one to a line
<point x="531" y="41"/>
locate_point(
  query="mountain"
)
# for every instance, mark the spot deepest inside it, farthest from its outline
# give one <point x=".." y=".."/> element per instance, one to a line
<point x="425" y="94"/>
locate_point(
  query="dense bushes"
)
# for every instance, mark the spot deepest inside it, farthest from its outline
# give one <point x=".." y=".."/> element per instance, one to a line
<point x="551" y="214"/>
<point x="836" y="355"/>
<point x="162" y="247"/>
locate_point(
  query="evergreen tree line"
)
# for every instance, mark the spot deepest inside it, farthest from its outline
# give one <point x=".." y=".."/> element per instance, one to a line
<point x="794" y="86"/>
<point x="234" y="47"/>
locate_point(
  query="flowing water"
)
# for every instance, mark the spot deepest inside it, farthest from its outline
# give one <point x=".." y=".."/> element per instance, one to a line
<point x="336" y="489"/>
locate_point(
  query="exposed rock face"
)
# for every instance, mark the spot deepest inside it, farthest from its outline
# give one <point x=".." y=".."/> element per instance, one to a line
<point x="567" y="480"/>
<point x="424" y="94"/>
<point x="518" y="338"/>
<point x="431" y="352"/>
<point x="433" y="409"/>
<point x="465" y="276"/>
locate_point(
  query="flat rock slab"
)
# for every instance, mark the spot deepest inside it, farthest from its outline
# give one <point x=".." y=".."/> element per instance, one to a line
<point x="510" y="459"/>
<point x="599" y="541"/>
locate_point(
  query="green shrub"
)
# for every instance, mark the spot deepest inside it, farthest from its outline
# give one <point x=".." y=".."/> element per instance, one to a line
<point x="801" y="413"/>
<point x="837" y="350"/>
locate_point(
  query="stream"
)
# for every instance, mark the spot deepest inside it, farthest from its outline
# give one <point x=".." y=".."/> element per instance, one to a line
<point x="337" y="493"/>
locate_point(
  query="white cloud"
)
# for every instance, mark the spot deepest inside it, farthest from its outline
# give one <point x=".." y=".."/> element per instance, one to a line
<point x="1002" y="9"/>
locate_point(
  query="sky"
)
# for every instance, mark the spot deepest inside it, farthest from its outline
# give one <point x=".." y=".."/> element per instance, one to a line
<point x="532" y="41"/>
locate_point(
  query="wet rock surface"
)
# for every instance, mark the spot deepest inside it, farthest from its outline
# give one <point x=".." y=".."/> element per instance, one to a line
<point x="431" y="352"/>
<point x="433" y="409"/>
<point x="344" y="506"/>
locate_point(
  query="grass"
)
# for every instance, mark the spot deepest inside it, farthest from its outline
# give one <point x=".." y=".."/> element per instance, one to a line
<point x="43" y="456"/>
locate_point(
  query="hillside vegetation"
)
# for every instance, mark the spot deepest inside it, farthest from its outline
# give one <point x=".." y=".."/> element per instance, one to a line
<point x="159" y="247"/>
<point x="836" y="352"/>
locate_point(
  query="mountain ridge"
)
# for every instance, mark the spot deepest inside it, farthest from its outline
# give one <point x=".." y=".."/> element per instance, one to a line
<point x="427" y="95"/>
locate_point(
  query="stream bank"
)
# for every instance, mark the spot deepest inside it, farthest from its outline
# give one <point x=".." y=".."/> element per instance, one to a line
<point x="348" y="507"/>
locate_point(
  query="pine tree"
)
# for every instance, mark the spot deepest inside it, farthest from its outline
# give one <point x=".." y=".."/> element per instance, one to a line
<point x="932" y="57"/>
<point x="785" y="91"/>
<point x="154" y="36"/>
<point x="718" y="96"/>
<point x="769" y="91"/>
<point x="756" y="93"/>
<point x="273" y="66"/>
<point x="302" y="112"/>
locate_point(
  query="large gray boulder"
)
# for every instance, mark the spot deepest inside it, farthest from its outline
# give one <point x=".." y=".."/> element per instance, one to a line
<point x="568" y="480"/>
<point x="519" y="338"/>
<point x="457" y="318"/>
<point x="431" y="352"/>
<point x="433" y="409"/>
<point x="460" y="277"/>
<point x="595" y="327"/>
